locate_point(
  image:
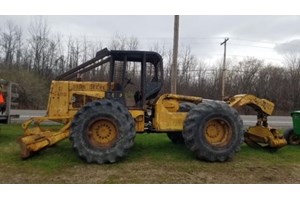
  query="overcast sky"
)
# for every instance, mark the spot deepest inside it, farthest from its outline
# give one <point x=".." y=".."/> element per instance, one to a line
<point x="265" y="37"/>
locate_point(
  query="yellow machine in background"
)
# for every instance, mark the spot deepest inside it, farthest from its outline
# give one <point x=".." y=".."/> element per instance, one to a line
<point x="102" y="118"/>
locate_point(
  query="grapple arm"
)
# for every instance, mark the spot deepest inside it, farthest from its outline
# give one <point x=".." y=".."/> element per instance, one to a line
<point x="37" y="137"/>
<point x="260" y="135"/>
<point x="259" y="105"/>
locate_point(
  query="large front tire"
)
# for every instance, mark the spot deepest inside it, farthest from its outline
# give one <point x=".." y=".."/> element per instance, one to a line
<point x="213" y="131"/>
<point x="102" y="132"/>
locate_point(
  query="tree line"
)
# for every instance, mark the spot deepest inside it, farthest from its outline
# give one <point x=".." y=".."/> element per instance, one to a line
<point x="35" y="56"/>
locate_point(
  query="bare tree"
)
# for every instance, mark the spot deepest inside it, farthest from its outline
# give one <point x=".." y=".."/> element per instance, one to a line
<point x="246" y="77"/>
<point x="39" y="41"/>
<point x="10" y="42"/>
<point x="187" y="68"/>
<point x="293" y="64"/>
<point x="19" y="46"/>
<point x="120" y="42"/>
<point x="74" y="53"/>
<point x="133" y="43"/>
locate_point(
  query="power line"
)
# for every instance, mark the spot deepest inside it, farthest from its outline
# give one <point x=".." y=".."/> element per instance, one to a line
<point x="256" y="41"/>
<point x="245" y="56"/>
<point x="251" y="46"/>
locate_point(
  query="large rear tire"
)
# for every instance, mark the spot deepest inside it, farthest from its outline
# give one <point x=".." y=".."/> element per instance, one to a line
<point x="102" y="132"/>
<point x="213" y="131"/>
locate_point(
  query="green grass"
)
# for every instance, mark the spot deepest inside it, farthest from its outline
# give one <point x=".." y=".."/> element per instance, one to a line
<point x="153" y="159"/>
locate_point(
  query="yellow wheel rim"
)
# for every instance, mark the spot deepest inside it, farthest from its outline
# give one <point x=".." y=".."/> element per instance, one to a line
<point x="218" y="132"/>
<point x="103" y="133"/>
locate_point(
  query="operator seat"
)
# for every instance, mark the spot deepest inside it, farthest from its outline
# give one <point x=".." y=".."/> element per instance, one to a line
<point x="151" y="91"/>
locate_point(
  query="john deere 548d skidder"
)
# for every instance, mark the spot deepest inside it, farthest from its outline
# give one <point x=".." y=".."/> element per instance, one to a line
<point x="102" y="118"/>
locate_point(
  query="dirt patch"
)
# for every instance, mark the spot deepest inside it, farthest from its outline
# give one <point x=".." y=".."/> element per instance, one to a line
<point x="151" y="172"/>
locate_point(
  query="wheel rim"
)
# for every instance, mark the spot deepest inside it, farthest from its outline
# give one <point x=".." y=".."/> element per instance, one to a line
<point x="218" y="132"/>
<point x="102" y="133"/>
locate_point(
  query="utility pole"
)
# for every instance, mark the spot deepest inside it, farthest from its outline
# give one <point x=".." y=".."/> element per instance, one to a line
<point x="175" y="55"/>
<point x="224" y="69"/>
